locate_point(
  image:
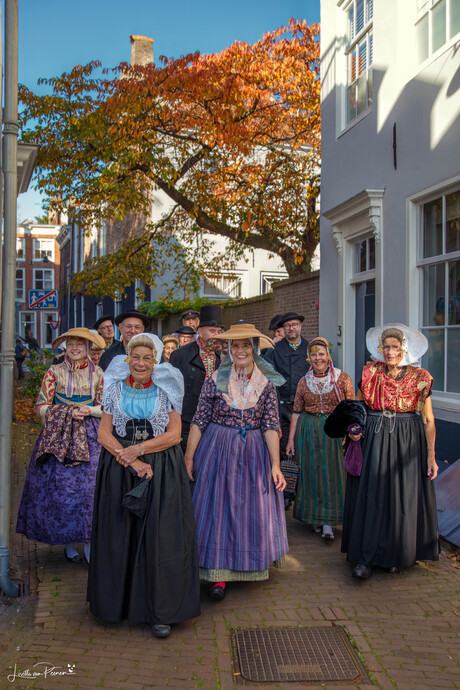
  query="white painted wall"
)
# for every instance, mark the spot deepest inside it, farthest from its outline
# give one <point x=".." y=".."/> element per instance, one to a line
<point x="423" y="100"/>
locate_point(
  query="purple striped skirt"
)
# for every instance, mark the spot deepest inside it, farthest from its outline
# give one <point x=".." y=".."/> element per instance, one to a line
<point x="240" y="519"/>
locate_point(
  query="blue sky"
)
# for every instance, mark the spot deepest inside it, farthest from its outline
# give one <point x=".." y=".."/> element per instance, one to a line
<point x="56" y="35"/>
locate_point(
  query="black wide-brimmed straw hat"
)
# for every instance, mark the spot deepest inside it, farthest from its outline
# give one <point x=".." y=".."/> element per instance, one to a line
<point x="347" y="412"/>
<point x="101" y="319"/>
<point x="290" y="316"/>
<point x="133" y="314"/>
<point x="211" y="315"/>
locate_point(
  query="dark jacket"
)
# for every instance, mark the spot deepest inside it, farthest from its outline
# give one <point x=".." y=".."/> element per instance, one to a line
<point x="19" y="352"/>
<point x="290" y="363"/>
<point x="187" y="359"/>
<point x="116" y="348"/>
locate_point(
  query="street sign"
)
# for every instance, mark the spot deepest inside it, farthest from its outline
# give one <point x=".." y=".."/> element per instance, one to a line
<point x="43" y="299"/>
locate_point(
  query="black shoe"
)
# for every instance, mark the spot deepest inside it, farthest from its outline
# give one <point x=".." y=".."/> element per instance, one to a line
<point x="74" y="559"/>
<point x="287" y="503"/>
<point x="362" y="571"/>
<point x="160" y="630"/>
<point x="216" y="593"/>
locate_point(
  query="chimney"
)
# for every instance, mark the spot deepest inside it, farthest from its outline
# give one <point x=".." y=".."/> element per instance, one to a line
<point x="141" y="50"/>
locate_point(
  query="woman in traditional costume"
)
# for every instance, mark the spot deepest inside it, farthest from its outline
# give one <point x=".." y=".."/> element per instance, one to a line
<point x="144" y="565"/>
<point x="57" y="501"/>
<point x="233" y="459"/>
<point x="170" y="344"/>
<point x="390" y="515"/>
<point x="321" y="483"/>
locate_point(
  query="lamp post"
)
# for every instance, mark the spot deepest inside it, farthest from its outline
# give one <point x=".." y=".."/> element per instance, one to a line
<point x="10" y="134"/>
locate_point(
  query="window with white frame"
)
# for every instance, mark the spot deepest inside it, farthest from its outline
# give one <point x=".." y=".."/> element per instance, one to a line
<point x="94" y="236"/>
<point x="365" y="255"/>
<point x="42" y="248"/>
<point x="27" y="322"/>
<point x="50" y="322"/>
<point x="267" y="280"/>
<point x="20" y="286"/>
<point x="139" y="292"/>
<point x="359" y="53"/>
<point x="117" y="306"/>
<point x="437" y="22"/>
<point x="222" y="286"/>
<point x="20" y="248"/>
<point x="439" y="264"/>
<point x="43" y="279"/>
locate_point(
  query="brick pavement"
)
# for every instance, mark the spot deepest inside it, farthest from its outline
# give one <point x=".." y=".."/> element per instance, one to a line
<point x="406" y="627"/>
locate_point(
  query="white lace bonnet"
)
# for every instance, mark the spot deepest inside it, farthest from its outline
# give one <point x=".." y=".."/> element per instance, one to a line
<point x="414" y="344"/>
<point x="165" y="376"/>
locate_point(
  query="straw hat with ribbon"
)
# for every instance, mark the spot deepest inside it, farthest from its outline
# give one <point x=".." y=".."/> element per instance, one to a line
<point x="242" y="330"/>
<point x="84" y="333"/>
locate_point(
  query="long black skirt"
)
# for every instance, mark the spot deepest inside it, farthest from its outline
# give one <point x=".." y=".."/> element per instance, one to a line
<point x="144" y="570"/>
<point x="390" y="514"/>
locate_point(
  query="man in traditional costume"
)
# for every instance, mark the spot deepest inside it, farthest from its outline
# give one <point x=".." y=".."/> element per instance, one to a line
<point x="198" y="361"/>
<point x="130" y="323"/>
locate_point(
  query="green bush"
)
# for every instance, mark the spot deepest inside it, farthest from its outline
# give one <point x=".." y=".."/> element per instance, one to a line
<point x="162" y="308"/>
<point x="38" y="365"/>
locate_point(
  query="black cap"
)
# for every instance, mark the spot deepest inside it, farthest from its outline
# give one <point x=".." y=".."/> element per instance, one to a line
<point x="290" y="316"/>
<point x="211" y="315"/>
<point x="190" y="314"/>
<point x="133" y="314"/>
<point x="275" y="322"/>
<point x="186" y="330"/>
<point x="107" y="317"/>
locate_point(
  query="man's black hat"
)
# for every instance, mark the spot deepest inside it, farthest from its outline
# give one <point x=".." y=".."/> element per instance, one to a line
<point x="211" y="315"/>
<point x="185" y="330"/>
<point x="107" y="317"/>
<point x="133" y="314"/>
<point x="290" y="316"/>
<point x="190" y="314"/>
<point x="275" y="322"/>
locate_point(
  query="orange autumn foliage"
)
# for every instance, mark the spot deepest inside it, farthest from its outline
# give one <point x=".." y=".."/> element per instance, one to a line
<point x="232" y="139"/>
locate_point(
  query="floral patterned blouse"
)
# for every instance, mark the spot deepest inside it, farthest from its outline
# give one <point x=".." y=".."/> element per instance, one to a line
<point x="406" y="393"/>
<point x="322" y="403"/>
<point x="53" y="388"/>
<point x="213" y="408"/>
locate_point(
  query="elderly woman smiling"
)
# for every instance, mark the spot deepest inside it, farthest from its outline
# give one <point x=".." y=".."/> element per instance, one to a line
<point x="144" y="562"/>
<point x="233" y="457"/>
<point x="320" y="489"/>
<point x="390" y="517"/>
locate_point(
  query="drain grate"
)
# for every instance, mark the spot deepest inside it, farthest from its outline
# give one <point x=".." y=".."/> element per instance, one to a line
<point x="296" y="654"/>
<point x="23" y="589"/>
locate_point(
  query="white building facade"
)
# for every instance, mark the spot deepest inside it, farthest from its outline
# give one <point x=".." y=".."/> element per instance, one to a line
<point x="252" y="275"/>
<point x="390" y="196"/>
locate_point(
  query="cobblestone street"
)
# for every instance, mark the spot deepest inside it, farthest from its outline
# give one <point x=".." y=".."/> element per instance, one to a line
<point x="406" y="627"/>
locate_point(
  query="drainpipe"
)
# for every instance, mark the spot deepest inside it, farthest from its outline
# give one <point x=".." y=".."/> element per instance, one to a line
<point x="10" y="136"/>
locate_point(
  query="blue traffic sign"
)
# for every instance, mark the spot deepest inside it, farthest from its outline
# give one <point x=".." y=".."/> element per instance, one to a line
<point x="43" y="299"/>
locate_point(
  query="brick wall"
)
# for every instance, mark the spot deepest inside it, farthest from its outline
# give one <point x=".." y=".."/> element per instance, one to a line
<point x="299" y="294"/>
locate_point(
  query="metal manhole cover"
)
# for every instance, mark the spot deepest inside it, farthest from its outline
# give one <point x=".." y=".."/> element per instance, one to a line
<point x="296" y="654"/>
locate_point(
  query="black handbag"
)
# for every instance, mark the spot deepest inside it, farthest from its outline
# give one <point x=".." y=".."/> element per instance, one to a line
<point x="136" y="500"/>
<point x="290" y="470"/>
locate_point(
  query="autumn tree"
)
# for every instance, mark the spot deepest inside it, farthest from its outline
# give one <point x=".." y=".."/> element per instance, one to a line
<point x="231" y="140"/>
